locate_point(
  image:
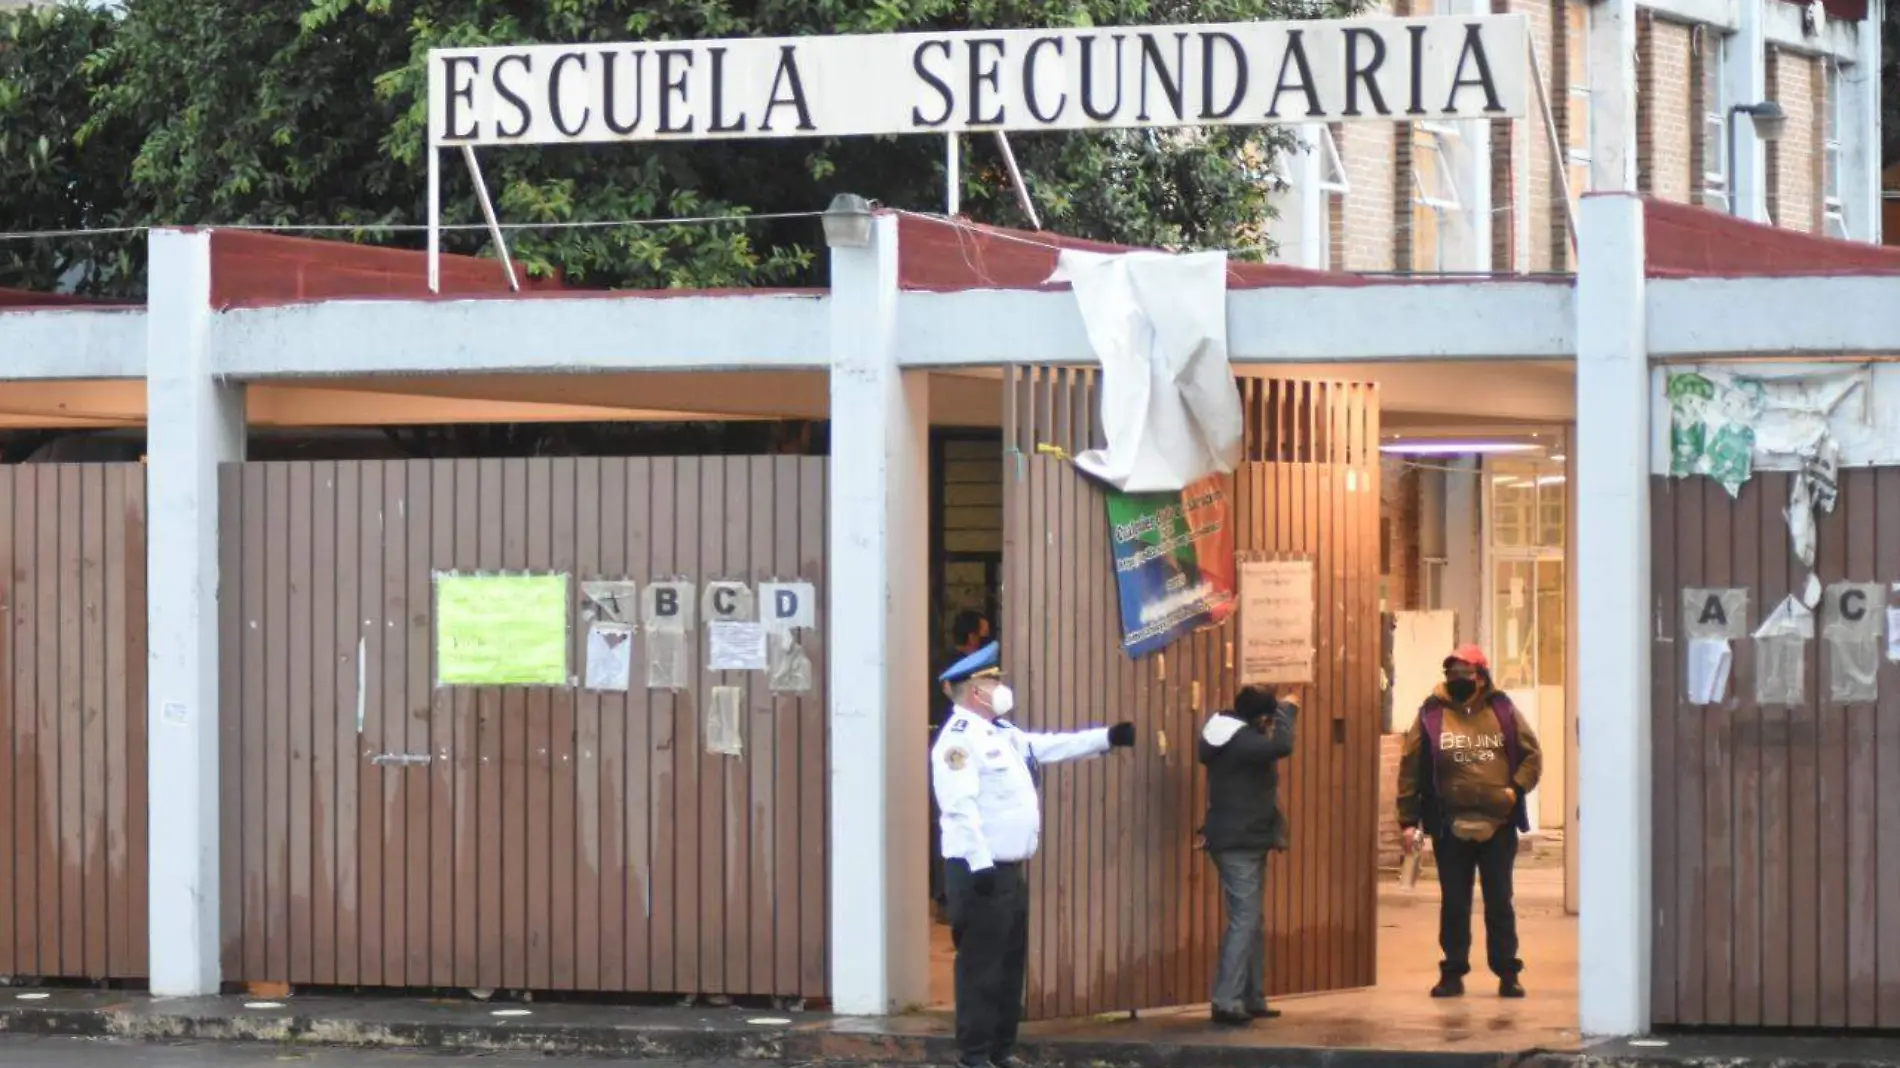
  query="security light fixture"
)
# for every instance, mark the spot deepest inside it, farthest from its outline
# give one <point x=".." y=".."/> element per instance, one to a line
<point x="1770" y="120"/>
<point x="848" y="221"/>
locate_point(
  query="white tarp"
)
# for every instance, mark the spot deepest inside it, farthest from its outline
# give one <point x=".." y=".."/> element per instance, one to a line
<point x="1158" y="323"/>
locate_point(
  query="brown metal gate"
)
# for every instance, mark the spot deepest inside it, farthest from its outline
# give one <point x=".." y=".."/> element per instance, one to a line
<point x="1125" y="912"/>
<point x="557" y="839"/>
<point x="72" y="716"/>
<point x="1777" y="830"/>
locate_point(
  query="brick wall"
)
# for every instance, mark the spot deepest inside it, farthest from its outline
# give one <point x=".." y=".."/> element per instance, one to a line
<point x="1506" y="150"/>
<point x="1668" y="116"/>
<point x="1794" y="162"/>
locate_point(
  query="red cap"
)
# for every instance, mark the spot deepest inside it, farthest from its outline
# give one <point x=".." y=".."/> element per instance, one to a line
<point x="1469" y="654"/>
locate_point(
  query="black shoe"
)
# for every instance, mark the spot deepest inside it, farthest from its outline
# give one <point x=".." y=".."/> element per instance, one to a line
<point x="965" y="1062"/>
<point x="1450" y="986"/>
<point x="1509" y="987"/>
<point x="1007" y="1060"/>
<point x="1264" y="1013"/>
<point x="1230" y="1019"/>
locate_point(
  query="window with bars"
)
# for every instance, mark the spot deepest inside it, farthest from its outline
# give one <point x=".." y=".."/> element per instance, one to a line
<point x="1577" y="95"/>
<point x="1833" y="214"/>
<point x="1715" y="163"/>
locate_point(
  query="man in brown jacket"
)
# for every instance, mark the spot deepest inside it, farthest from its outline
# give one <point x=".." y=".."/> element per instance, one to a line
<point x="1468" y="763"/>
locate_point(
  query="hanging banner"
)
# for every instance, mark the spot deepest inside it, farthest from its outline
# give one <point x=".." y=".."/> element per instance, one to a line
<point x="1276" y="621"/>
<point x="1373" y="69"/>
<point x="1174" y="562"/>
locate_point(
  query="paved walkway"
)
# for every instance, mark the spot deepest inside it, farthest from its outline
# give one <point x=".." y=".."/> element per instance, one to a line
<point x="1394" y="1015"/>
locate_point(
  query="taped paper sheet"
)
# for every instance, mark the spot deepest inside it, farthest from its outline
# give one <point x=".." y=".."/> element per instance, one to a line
<point x="1893" y="633"/>
<point x="783" y="605"/>
<point x="1851" y="628"/>
<point x="1158" y="324"/>
<point x="736" y="646"/>
<point x="727" y="600"/>
<point x="501" y="630"/>
<point x="666" y="610"/>
<point x="610" y="600"/>
<point x="1781" y="654"/>
<point x="722" y="721"/>
<point x="609" y="656"/>
<point x="788" y="668"/>
<point x="1709" y="662"/>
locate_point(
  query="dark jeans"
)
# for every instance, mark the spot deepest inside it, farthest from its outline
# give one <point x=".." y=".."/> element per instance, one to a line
<point x="1240" y="976"/>
<point x="1491" y="863"/>
<point x="991" y="934"/>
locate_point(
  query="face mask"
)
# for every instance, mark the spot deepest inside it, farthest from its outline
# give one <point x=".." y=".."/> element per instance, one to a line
<point x="1461" y="689"/>
<point x="1002" y="700"/>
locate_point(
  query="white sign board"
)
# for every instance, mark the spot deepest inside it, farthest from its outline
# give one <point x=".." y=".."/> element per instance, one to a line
<point x="1230" y="74"/>
<point x="1276" y="621"/>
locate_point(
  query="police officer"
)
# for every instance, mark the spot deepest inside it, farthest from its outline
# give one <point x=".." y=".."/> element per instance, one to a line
<point x="985" y="772"/>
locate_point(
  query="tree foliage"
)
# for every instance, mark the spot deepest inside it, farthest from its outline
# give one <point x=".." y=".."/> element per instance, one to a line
<point x="313" y="112"/>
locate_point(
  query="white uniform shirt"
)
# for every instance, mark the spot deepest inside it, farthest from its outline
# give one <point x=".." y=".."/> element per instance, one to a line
<point x="979" y="771"/>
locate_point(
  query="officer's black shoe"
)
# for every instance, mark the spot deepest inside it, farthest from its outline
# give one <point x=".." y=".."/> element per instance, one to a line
<point x="1008" y="1060"/>
<point x="965" y="1062"/>
<point x="1509" y="987"/>
<point x="1230" y="1019"/>
<point x="1264" y="1013"/>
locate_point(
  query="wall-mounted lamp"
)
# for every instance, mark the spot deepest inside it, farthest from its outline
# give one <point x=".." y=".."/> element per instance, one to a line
<point x="848" y="221"/>
<point x="1770" y="120"/>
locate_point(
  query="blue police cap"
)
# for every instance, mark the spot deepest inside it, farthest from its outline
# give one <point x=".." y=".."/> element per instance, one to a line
<point x="985" y="661"/>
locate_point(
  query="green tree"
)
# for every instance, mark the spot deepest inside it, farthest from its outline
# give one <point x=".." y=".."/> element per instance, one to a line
<point x="312" y="111"/>
<point x="51" y="178"/>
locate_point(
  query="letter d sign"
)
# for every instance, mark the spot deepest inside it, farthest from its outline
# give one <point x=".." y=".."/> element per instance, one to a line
<point x="788" y="605"/>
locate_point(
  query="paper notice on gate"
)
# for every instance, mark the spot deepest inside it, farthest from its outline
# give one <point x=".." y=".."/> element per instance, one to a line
<point x="736" y="646"/>
<point x="788" y="668"/>
<point x="609" y="656"/>
<point x="722" y="721"/>
<point x="1710" y="660"/>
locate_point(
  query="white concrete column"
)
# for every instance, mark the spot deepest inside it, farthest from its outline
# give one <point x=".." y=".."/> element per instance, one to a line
<point x="1860" y="130"/>
<point x="1612" y="58"/>
<point x="1745" y="81"/>
<point x="879" y="627"/>
<point x="1613" y="619"/>
<point x="193" y="424"/>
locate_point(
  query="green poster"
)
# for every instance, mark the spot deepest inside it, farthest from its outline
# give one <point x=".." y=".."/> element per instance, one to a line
<point x="501" y="630"/>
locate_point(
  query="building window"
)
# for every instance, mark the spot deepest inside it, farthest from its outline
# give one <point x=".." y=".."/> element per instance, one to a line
<point x="1577" y="117"/>
<point x="1435" y="199"/>
<point x="1833" y="215"/>
<point x="1310" y="185"/>
<point x="1715" y="164"/>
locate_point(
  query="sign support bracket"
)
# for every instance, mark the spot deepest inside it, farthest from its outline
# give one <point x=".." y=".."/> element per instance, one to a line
<point x="1557" y="160"/>
<point x="952" y="176"/>
<point x="488" y="213"/>
<point x="1016" y="179"/>
<point x="435" y="217"/>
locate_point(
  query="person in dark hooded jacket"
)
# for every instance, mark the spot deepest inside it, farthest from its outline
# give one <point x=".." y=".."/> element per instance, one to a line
<point x="1242" y="749"/>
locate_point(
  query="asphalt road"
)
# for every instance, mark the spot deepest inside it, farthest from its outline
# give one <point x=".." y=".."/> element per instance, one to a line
<point x="28" y="1052"/>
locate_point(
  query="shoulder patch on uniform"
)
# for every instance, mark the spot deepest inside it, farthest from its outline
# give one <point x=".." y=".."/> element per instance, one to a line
<point x="959" y="726"/>
<point x="956" y="757"/>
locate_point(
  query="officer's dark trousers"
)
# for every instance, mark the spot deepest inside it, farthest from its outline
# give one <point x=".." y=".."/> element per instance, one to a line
<point x="1461" y="863"/>
<point x="991" y="933"/>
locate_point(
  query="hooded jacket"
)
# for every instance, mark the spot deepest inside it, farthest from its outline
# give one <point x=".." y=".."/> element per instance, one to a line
<point x="1468" y="775"/>
<point x="1243" y="781"/>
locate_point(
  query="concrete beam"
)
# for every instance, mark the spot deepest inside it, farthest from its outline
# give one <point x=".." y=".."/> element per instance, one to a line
<point x="1425" y="321"/>
<point x="1822" y="316"/>
<point x="566" y="335"/>
<point x="77" y="343"/>
<point x="1718" y="13"/>
<point x="1781" y="27"/>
